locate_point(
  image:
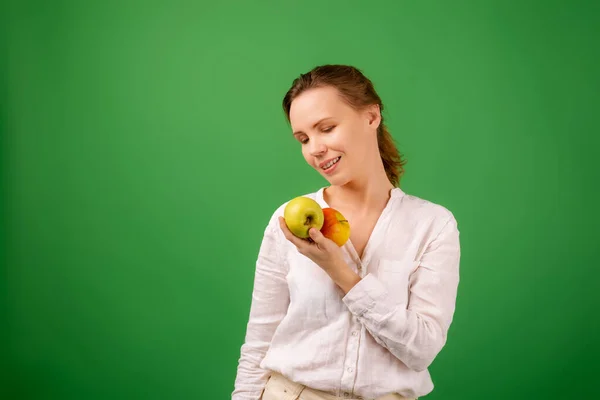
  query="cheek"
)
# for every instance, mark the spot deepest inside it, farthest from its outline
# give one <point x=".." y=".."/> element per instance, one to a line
<point x="306" y="156"/>
<point x="358" y="147"/>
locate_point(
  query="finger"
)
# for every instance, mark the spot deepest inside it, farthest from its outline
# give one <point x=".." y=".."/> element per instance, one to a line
<point x="289" y="235"/>
<point x="284" y="228"/>
<point x="317" y="236"/>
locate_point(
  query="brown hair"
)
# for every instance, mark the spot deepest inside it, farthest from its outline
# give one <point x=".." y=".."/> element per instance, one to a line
<point x="358" y="91"/>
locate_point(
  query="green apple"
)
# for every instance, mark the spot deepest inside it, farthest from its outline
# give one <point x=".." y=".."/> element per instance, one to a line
<point x="301" y="214"/>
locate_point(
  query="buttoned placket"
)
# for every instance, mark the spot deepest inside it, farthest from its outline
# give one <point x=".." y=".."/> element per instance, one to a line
<point x="353" y="343"/>
<point x="360" y="267"/>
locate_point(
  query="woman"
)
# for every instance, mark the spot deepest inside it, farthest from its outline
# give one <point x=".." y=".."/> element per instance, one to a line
<point x="364" y="320"/>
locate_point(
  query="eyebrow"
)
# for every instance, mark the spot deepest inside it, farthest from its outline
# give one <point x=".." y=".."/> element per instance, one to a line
<point x="314" y="125"/>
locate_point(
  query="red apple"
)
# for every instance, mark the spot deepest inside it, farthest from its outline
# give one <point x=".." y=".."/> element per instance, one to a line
<point x="335" y="226"/>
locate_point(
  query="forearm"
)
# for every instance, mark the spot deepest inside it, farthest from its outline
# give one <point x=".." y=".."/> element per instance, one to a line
<point x="270" y="299"/>
<point x="250" y="379"/>
<point x="415" y="330"/>
<point x="412" y="336"/>
<point x="344" y="276"/>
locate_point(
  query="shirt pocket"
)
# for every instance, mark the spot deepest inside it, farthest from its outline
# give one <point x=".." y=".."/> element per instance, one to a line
<point x="395" y="276"/>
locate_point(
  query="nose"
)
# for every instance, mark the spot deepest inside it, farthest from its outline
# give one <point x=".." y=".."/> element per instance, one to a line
<point x="317" y="148"/>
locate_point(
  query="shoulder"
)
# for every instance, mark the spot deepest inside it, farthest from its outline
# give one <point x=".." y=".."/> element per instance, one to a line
<point x="423" y="206"/>
<point x="419" y="211"/>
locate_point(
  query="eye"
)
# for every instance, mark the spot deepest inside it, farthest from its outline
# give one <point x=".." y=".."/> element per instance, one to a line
<point x="328" y="129"/>
<point x="304" y="140"/>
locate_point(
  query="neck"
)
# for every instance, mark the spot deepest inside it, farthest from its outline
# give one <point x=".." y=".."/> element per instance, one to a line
<point x="370" y="191"/>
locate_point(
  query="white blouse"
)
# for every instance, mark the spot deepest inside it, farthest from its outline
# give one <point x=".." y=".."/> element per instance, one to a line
<point x="378" y="338"/>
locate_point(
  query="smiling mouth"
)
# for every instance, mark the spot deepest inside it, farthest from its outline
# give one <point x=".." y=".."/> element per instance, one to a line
<point x="331" y="163"/>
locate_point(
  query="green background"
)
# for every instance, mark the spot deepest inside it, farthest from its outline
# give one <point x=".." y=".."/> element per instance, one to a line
<point x="144" y="149"/>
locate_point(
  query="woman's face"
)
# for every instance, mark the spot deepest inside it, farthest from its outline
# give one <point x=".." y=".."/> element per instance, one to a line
<point x="336" y="139"/>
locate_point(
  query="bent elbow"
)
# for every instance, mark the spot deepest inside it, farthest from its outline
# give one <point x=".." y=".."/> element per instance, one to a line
<point x="426" y="350"/>
<point x="421" y="360"/>
<point x="420" y="364"/>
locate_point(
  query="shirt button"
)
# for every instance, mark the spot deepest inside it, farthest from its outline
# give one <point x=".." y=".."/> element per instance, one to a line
<point x="349" y="369"/>
<point x="359" y="266"/>
<point x="354" y="333"/>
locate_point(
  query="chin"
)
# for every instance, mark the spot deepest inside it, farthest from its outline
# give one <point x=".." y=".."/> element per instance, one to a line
<point x="337" y="180"/>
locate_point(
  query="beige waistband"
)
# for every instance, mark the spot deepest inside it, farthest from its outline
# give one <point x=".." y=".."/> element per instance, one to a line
<point x="297" y="388"/>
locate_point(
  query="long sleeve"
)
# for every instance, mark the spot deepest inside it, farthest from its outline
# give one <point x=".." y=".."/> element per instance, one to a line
<point x="270" y="300"/>
<point x="416" y="333"/>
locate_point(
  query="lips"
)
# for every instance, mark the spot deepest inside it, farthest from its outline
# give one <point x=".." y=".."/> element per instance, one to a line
<point x="328" y="163"/>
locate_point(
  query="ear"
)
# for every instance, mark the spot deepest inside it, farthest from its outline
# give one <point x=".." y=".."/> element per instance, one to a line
<point x="373" y="116"/>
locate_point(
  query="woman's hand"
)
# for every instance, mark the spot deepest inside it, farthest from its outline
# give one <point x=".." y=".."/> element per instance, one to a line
<point x="325" y="253"/>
